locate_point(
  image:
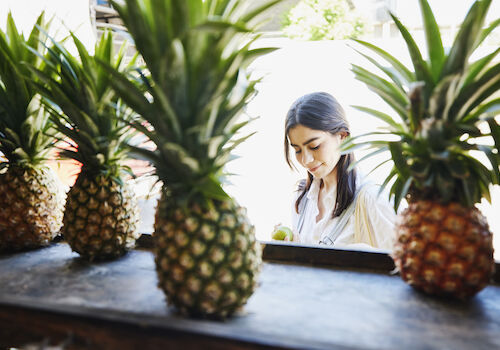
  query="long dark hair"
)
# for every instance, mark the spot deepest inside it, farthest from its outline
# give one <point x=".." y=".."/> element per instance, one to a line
<point x="321" y="111"/>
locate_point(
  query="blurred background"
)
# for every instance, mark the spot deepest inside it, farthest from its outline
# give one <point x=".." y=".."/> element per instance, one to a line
<point x="314" y="54"/>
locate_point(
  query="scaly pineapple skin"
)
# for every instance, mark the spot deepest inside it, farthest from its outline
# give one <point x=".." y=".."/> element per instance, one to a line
<point x="31" y="208"/>
<point x="207" y="260"/>
<point x="444" y="249"/>
<point x="101" y="218"/>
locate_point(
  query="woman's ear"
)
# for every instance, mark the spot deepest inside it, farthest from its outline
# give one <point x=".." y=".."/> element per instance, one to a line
<point x="343" y="135"/>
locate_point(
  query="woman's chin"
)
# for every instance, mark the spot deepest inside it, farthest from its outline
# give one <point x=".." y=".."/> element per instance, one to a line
<point x="320" y="173"/>
<point x="317" y="175"/>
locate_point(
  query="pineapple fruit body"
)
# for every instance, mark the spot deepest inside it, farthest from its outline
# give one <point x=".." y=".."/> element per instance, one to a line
<point x="207" y="258"/>
<point x="101" y="218"/>
<point x="31" y="205"/>
<point x="444" y="249"/>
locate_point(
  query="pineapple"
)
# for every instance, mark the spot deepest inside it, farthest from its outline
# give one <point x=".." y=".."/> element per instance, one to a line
<point x="31" y="201"/>
<point x="101" y="214"/>
<point x="196" y="52"/>
<point x="446" y="107"/>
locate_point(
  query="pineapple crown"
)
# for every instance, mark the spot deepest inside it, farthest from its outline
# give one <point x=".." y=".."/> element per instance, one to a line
<point x="446" y="107"/>
<point x="83" y="106"/>
<point x="196" y="53"/>
<point x="24" y="125"/>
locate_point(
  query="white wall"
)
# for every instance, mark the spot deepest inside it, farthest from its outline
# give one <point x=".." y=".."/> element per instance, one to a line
<point x="68" y="15"/>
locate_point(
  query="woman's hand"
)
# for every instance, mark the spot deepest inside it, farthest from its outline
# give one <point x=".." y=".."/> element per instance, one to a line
<point x="282" y="233"/>
<point x="294" y="237"/>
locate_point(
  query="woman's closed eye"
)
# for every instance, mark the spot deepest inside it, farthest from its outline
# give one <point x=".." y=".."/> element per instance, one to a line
<point x="297" y="151"/>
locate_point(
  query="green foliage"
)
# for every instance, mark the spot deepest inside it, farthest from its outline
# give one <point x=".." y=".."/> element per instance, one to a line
<point x="24" y="125"/>
<point x="196" y="53"/>
<point x="447" y="107"/>
<point x="323" y="20"/>
<point x="83" y="106"/>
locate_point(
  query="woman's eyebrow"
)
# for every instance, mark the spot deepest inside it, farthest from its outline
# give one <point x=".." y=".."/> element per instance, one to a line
<point x="305" y="143"/>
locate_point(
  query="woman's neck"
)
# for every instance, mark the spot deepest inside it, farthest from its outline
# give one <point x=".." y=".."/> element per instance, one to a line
<point x="329" y="182"/>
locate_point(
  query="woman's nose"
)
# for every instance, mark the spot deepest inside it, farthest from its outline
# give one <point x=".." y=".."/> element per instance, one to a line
<point x="307" y="157"/>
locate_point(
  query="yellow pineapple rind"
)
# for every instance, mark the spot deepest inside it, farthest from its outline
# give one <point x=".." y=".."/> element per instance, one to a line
<point x="444" y="249"/>
<point x="31" y="208"/>
<point x="207" y="260"/>
<point x="101" y="218"/>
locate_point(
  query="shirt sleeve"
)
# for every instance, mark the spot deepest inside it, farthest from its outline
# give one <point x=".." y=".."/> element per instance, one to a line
<point x="374" y="219"/>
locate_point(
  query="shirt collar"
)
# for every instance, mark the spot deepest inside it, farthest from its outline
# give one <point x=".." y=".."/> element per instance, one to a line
<point x="314" y="189"/>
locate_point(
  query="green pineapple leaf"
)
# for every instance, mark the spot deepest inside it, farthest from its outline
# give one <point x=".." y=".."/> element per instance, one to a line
<point x="386" y="90"/>
<point x="487" y="31"/>
<point x="433" y="39"/>
<point x="25" y="131"/>
<point x="469" y="35"/>
<point x="477" y="67"/>
<point x="408" y="75"/>
<point x="476" y="92"/>
<point x="196" y="56"/>
<point x="422" y="72"/>
<point x="390" y="72"/>
<point x="78" y="95"/>
<point x="449" y="99"/>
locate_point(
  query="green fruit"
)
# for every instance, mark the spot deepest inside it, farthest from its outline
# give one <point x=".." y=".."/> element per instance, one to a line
<point x="281" y="232"/>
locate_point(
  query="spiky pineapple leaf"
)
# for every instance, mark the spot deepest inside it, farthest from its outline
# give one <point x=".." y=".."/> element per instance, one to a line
<point x="354" y="164"/>
<point x="477" y="92"/>
<point x="495" y="132"/>
<point x="210" y="187"/>
<point x="382" y="116"/>
<point x="196" y="54"/>
<point x="128" y="91"/>
<point x="400" y="161"/>
<point x="493" y="158"/>
<point x="378" y="83"/>
<point x="217" y="25"/>
<point x="398" y="66"/>
<point x="422" y="72"/>
<point x="20" y="111"/>
<point x="390" y="72"/>
<point x="477" y="67"/>
<point x="467" y="38"/>
<point x="393" y="174"/>
<point x="444" y="114"/>
<point x="433" y="39"/>
<point x="349" y="145"/>
<point x="400" y="190"/>
<point x="387" y="91"/>
<point x="82" y="105"/>
<point x="259" y="11"/>
<point x="487" y="31"/>
<point x="145" y="154"/>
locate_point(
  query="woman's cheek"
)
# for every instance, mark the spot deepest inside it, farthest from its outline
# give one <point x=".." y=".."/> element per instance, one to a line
<point x="299" y="159"/>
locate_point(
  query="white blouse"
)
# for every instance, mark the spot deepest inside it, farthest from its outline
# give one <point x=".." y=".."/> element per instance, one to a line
<point x="372" y="223"/>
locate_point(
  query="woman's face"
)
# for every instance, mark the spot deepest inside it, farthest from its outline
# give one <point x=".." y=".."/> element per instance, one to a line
<point x="317" y="151"/>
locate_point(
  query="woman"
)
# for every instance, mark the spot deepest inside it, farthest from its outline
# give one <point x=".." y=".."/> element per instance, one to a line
<point x="334" y="205"/>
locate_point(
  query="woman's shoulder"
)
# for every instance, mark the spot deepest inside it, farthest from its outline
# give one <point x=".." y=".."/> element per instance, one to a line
<point x="370" y="193"/>
<point x="374" y="204"/>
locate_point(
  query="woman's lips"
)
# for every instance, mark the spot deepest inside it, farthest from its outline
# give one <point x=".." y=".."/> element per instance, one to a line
<point x="312" y="170"/>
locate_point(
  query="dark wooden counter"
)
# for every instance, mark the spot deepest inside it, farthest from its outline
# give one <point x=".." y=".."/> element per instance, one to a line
<point x="117" y="305"/>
